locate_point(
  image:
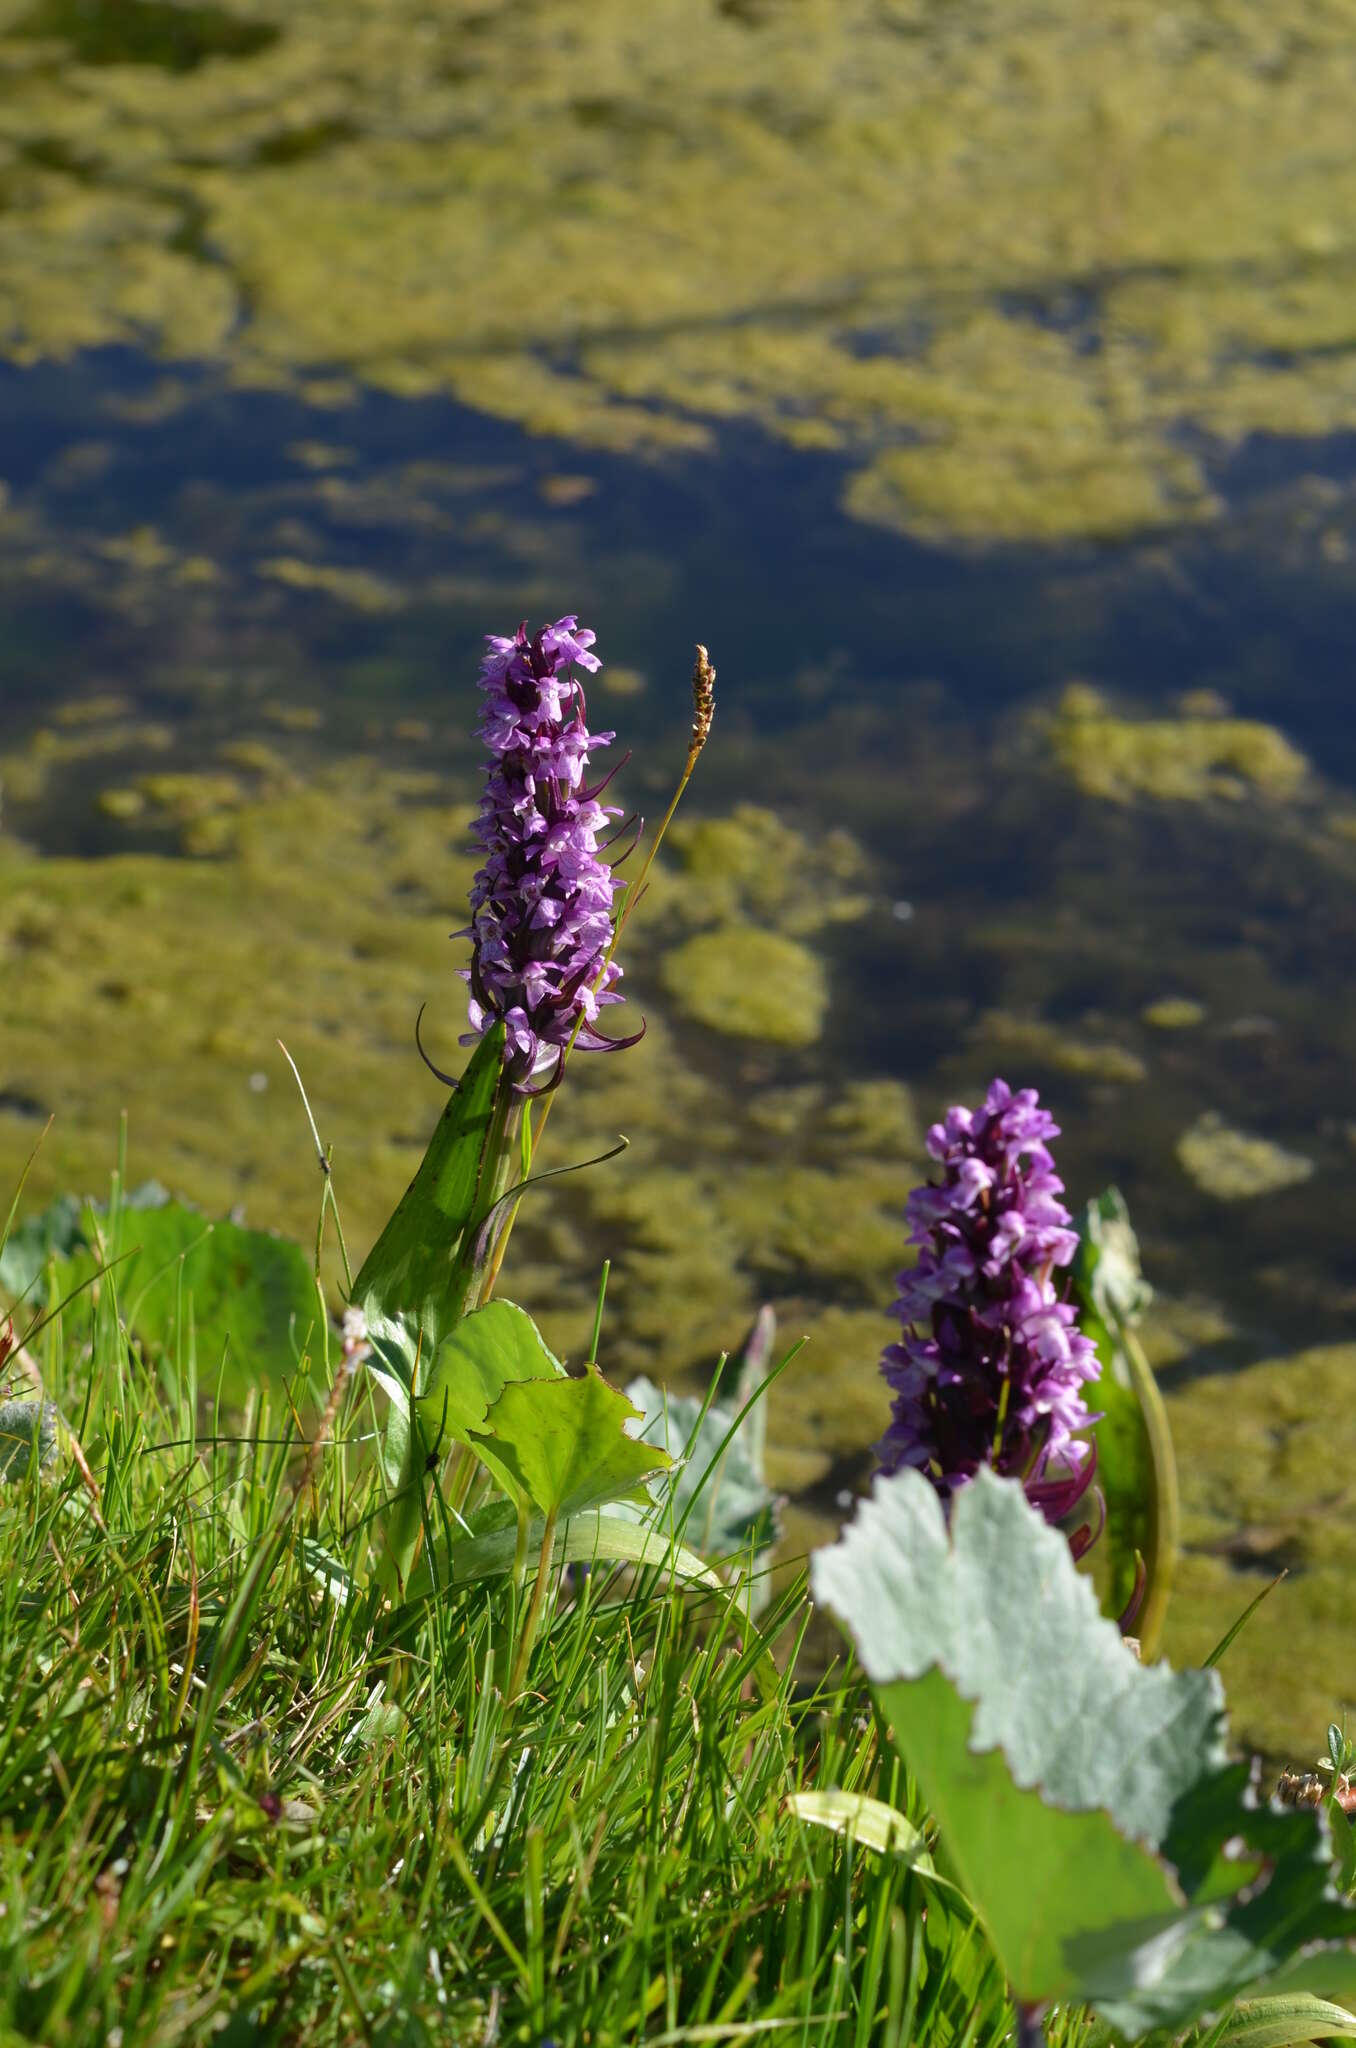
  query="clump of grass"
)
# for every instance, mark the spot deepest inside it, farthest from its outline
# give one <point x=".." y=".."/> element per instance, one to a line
<point x="243" y="1799"/>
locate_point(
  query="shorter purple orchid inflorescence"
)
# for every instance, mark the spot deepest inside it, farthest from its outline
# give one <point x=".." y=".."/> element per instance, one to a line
<point x="991" y="1366"/>
<point x="541" y="903"/>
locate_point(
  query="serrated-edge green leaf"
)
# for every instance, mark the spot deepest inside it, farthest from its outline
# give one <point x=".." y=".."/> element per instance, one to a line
<point x="1047" y="1752"/>
<point x="563" y="1444"/>
<point x="997" y="1604"/>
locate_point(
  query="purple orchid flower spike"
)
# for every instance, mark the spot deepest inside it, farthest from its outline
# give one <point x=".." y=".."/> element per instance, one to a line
<point x="991" y="1366"/>
<point x="541" y="904"/>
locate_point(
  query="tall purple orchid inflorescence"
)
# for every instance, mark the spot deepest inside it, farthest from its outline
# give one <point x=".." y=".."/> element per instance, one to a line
<point x="992" y="1365"/>
<point x="541" y="904"/>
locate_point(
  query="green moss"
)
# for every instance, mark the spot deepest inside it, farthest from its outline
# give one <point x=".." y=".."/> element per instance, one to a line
<point x="749" y="983"/>
<point x="1236" y="1166"/>
<point x="878" y="1118"/>
<point x="1178" y="760"/>
<point x="618" y="681"/>
<point x="293" y="717"/>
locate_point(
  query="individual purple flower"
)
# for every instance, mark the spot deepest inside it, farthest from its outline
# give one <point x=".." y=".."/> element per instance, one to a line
<point x="991" y="1367"/>
<point x="541" y="904"/>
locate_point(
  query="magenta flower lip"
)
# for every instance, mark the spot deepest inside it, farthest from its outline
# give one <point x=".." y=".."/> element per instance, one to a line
<point x="541" y="903"/>
<point x="991" y="1365"/>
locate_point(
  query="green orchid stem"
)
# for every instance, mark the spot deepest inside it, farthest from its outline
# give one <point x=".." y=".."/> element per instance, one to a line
<point x="508" y="1149"/>
<point x="703" y="689"/>
<point x="529" y="1634"/>
<point x="517" y="1580"/>
<point x="520" y="1549"/>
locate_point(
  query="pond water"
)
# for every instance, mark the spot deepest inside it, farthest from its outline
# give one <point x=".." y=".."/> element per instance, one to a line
<point x="1037" y="762"/>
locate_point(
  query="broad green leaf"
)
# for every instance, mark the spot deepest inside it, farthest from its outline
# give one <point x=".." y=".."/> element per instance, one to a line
<point x="56" y="1232"/>
<point x="1086" y="1801"/>
<point x="1042" y="1879"/>
<point x="733" y="1510"/>
<point x="423" y="1267"/>
<point x="404" y="1463"/>
<point x="1291" y="2018"/>
<point x="251" y="1296"/>
<point x="591" y="1538"/>
<point x="563" y="1445"/>
<point x="1136" y="1468"/>
<point x="869" y="1821"/>
<point x="245" y="1299"/>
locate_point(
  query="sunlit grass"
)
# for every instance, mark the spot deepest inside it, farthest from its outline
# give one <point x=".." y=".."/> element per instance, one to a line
<point x="242" y="1800"/>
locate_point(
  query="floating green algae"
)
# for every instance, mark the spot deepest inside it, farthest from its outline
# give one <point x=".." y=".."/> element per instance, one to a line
<point x="1266" y="1458"/>
<point x="752" y="864"/>
<point x="1178" y="760"/>
<point x="750" y="983"/>
<point x="121" y="803"/>
<point x="210" y="962"/>
<point x="1237" y="1166"/>
<point x="1033" y="1039"/>
<point x="1031" y="246"/>
<point x="1174" y="1013"/>
<point x="360" y="588"/>
<point x="169" y="36"/>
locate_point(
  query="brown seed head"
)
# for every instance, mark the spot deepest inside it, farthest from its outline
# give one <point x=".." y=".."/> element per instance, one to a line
<point x="703" y="701"/>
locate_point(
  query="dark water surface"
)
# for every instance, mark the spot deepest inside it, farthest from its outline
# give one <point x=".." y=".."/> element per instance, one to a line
<point x="866" y="682"/>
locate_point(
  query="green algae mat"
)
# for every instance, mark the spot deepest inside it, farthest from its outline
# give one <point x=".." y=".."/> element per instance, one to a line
<point x="1014" y="263"/>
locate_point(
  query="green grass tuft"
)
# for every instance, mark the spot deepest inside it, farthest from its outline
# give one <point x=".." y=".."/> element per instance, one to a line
<point x="240" y="1800"/>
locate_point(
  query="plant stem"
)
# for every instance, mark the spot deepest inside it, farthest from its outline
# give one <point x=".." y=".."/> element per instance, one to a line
<point x="529" y="1634"/>
<point x="598" y="1313"/>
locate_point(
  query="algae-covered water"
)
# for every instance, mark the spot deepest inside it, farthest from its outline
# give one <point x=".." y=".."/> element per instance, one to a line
<point x="979" y="383"/>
